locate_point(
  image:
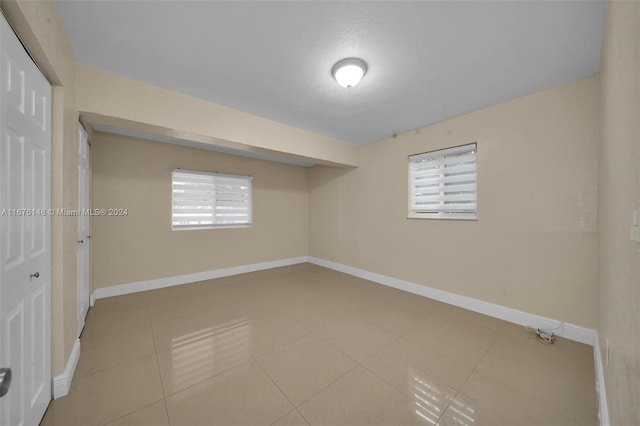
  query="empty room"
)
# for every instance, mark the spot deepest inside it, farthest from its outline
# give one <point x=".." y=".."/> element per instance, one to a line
<point x="319" y="213"/>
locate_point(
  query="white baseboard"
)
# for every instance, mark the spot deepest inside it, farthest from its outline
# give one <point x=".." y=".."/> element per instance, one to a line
<point x="569" y="331"/>
<point x="62" y="382"/>
<point x="118" y="290"/>
<point x="92" y="300"/>
<point x="601" y="393"/>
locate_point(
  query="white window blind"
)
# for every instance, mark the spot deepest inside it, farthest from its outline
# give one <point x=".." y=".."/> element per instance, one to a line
<point x="443" y="184"/>
<point x="210" y="200"/>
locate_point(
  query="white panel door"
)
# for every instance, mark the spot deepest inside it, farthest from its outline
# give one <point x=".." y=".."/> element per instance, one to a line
<point x="25" y="224"/>
<point x="84" y="238"/>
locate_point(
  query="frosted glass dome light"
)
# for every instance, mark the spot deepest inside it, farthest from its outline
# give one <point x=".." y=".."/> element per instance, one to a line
<point x="348" y="72"/>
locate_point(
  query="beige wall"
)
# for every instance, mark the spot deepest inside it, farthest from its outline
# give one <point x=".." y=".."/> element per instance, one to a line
<point x="534" y="245"/>
<point x="38" y="25"/>
<point x="136" y="174"/>
<point x="112" y="99"/>
<point x="619" y="194"/>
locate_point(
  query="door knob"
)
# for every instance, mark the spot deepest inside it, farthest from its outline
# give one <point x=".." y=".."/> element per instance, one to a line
<point x="80" y="241"/>
<point x="36" y="275"/>
<point x="5" y="381"/>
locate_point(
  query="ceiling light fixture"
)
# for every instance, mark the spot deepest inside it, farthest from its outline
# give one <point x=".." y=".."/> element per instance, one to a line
<point x="348" y="72"/>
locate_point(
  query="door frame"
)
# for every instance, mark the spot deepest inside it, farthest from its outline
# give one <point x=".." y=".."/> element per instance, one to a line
<point x="84" y="235"/>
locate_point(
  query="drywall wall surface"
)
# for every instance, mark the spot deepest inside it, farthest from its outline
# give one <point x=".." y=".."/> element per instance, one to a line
<point x="533" y="247"/>
<point x="618" y="196"/>
<point x="111" y="99"/>
<point x="135" y="175"/>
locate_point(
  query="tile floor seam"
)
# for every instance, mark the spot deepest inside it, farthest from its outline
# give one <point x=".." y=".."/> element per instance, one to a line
<point x="283" y="416"/>
<point x="386" y="345"/>
<point x="396" y="335"/>
<point x="479" y="372"/>
<point x="322" y="296"/>
<point x="336" y="348"/>
<point x="275" y="384"/>
<point x="136" y="410"/>
<point x="176" y="317"/>
<point x="384" y="328"/>
<point x="255" y="360"/>
<point x="117" y="364"/>
<point x="270" y="350"/>
<point x="534" y="397"/>
<point x="110" y="333"/>
<point x="204" y="380"/>
<point x="385" y="380"/>
<point x="458" y="392"/>
<point x="414" y="327"/>
<point x="325" y="387"/>
<point x="522" y="391"/>
<point x="102" y="370"/>
<point x="417" y="325"/>
<point x="356" y="314"/>
<point x="133" y="412"/>
<point x="166" y="410"/>
<point x="403" y="393"/>
<point x="356" y="364"/>
<point x="305" y="418"/>
<point x="153" y="336"/>
<point x="235" y="336"/>
<point x="474" y="369"/>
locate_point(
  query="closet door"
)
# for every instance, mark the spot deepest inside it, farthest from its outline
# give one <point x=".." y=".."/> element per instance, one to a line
<point x="84" y="226"/>
<point x="25" y="230"/>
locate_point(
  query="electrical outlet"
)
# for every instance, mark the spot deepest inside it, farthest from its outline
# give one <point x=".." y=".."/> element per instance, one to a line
<point x="607" y="352"/>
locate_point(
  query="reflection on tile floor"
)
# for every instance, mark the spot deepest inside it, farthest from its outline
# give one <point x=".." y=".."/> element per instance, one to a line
<point x="304" y="345"/>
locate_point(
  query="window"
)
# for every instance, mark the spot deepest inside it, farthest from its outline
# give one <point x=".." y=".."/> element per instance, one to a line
<point x="442" y="184"/>
<point x="210" y="200"/>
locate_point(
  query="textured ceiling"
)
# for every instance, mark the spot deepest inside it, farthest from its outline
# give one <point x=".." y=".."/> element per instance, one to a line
<point x="428" y="61"/>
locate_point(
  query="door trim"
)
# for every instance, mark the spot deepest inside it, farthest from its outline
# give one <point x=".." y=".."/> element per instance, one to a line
<point x="83" y="288"/>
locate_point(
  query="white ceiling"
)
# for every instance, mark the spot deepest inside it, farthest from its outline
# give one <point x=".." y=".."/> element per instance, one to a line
<point x="428" y="61"/>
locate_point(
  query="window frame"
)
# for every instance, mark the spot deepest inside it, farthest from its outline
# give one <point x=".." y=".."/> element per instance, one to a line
<point x="440" y="155"/>
<point x="249" y="181"/>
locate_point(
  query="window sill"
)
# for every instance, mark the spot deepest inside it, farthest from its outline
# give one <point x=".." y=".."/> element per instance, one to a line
<point x="195" y="228"/>
<point x="469" y="217"/>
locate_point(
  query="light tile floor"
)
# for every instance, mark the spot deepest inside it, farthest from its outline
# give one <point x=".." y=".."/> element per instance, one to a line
<point x="304" y="345"/>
